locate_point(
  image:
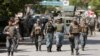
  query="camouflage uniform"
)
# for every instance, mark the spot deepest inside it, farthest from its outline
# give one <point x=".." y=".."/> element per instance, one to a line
<point x="74" y="39"/>
<point x="37" y="34"/>
<point x="84" y="33"/>
<point x="10" y="31"/>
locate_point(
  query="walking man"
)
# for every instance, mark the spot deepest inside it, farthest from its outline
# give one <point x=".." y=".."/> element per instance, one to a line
<point x="59" y="29"/>
<point x="49" y="31"/>
<point x="18" y="35"/>
<point x="74" y="37"/>
<point x="84" y="33"/>
<point x="10" y="31"/>
<point x="37" y="34"/>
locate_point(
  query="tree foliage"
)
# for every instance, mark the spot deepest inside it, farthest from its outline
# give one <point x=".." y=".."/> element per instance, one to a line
<point x="95" y="3"/>
<point x="10" y="7"/>
<point x="76" y="2"/>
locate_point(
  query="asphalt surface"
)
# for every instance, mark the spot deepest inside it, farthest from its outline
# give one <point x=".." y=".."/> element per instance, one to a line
<point x="26" y="48"/>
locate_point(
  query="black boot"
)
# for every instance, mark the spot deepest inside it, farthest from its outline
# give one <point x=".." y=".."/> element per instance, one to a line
<point x="12" y="53"/>
<point x="72" y="51"/>
<point x="50" y="49"/>
<point x="8" y="53"/>
<point x="77" y="53"/>
<point x="58" y="49"/>
<point x="36" y="47"/>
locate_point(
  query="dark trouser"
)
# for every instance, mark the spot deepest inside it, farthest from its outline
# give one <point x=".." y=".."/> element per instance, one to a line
<point x="83" y="39"/>
<point x="59" y="40"/>
<point x="74" y="42"/>
<point x="92" y="28"/>
<point x="38" y="42"/>
<point x="72" y="45"/>
<point x="10" y="44"/>
<point x="49" y="40"/>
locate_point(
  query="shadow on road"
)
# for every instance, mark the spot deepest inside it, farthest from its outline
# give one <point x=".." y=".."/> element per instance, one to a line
<point x="21" y="55"/>
<point x="66" y="41"/>
<point x="18" y="51"/>
<point x="94" y="42"/>
<point x="28" y="42"/>
<point x="21" y="50"/>
<point x="55" y="51"/>
<point x="91" y="49"/>
<point x="85" y="54"/>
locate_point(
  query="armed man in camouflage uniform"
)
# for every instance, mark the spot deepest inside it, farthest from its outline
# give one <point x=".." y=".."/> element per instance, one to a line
<point x="84" y="33"/>
<point x="37" y="34"/>
<point x="74" y="36"/>
<point x="10" y="31"/>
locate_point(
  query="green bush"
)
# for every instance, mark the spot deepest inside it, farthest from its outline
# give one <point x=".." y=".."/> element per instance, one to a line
<point x="98" y="12"/>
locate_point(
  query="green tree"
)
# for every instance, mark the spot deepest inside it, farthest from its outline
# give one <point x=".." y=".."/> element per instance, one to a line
<point x="96" y="5"/>
<point x="10" y="7"/>
<point x="78" y="3"/>
<point x="73" y="2"/>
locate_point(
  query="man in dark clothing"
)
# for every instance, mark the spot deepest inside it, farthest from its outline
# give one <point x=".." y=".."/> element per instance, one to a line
<point x="49" y="31"/>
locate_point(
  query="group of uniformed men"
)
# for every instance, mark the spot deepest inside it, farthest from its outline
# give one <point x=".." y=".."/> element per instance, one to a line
<point x="50" y="31"/>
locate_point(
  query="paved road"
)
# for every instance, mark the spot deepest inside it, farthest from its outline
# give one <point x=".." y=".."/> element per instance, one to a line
<point x="27" y="49"/>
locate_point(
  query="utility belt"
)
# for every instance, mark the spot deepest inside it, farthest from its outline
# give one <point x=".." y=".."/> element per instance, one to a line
<point x="9" y="37"/>
<point x="75" y="33"/>
<point x="49" y="31"/>
<point x="37" y="31"/>
<point x="84" y="30"/>
<point x="58" y="30"/>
